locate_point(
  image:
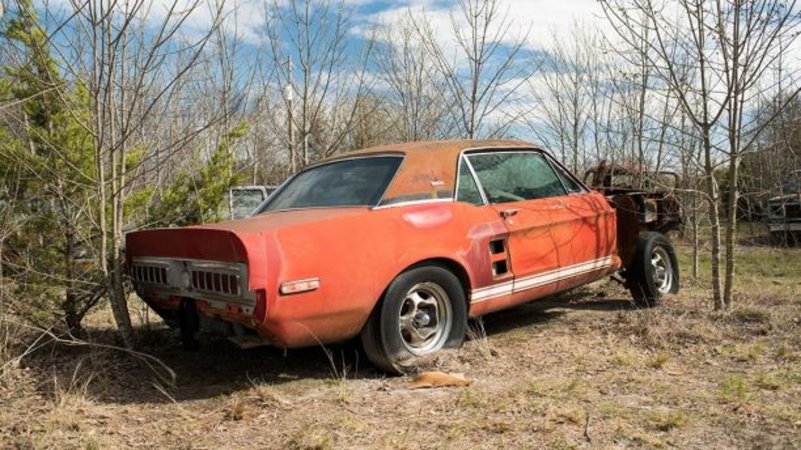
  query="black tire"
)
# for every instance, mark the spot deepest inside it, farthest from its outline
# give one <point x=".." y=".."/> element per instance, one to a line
<point x="654" y="270"/>
<point x="421" y="300"/>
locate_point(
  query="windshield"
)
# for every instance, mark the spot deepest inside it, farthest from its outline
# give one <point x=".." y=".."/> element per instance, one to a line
<point x="353" y="182"/>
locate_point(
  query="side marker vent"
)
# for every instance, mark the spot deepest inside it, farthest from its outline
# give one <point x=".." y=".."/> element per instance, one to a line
<point x="499" y="257"/>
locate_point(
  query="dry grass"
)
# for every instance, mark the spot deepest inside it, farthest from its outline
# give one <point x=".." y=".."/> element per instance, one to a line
<point x="583" y="371"/>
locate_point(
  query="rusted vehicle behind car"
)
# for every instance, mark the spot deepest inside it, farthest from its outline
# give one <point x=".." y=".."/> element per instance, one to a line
<point x="399" y="245"/>
<point x="784" y="212"/>
<point x="653" y="197"/>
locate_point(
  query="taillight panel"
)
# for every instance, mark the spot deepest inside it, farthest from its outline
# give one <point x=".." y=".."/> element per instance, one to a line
<point x="219" y="283"/>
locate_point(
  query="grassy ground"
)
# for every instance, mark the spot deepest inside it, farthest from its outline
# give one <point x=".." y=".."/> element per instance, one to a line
<point x="582" y="371"/>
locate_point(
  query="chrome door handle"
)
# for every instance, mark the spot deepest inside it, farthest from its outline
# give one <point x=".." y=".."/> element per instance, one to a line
<point x="507" y="213"/>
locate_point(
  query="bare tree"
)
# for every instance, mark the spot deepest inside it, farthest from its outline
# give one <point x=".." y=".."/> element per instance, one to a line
<point x="727" y="46"/>
<point x="562" y="92"/>
<point x="135" y="70"/>
<point x="750" y="34"/>
<point x="308" y="42"/>
<point x="416" y="95"/>
<point x="485" y="68"/>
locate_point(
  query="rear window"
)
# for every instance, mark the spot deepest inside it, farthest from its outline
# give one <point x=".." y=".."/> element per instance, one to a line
<point x="352" y="182"/>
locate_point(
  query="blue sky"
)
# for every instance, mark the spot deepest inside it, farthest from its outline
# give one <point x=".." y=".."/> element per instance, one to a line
<point x="543" y="16"/>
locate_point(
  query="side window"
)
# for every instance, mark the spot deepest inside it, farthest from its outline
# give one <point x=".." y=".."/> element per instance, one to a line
<point x="468" y="191"/>
<point x="570" y="184"/>
<point x="515" y="176"/>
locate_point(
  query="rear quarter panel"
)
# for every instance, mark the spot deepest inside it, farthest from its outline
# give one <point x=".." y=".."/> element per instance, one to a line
<point x="357" y="257"/>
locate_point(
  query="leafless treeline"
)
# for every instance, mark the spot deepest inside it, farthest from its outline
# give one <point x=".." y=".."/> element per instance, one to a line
<point x="691" y="86"/>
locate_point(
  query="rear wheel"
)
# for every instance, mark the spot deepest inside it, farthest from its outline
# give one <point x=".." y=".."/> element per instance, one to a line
<point x="654" y="270"/>
<point x="422" y="311"/>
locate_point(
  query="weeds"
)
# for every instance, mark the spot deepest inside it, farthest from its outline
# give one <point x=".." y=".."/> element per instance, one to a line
<point x="785" y="353"/>
<point x="659" y="360"/>
<point x="573" y="415"/>
<point x="625" y="359"/>
<point x="310" y="437"/>
<point x="677" y="376"/>
<point x="477" y="335"/>
<point x="734" y="388"/>
<point x="236" y="408"/>
<point x="750" y="315"/>
<point x="771" y="382"/>
<point x="667" y="420"/>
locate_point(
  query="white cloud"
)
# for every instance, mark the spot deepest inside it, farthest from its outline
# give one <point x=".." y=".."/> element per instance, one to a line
<point x="541" y="19"/>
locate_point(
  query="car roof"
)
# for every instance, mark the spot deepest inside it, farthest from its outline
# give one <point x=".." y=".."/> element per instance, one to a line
<point x="442" y="148"/>
<point x="429" y="168"/>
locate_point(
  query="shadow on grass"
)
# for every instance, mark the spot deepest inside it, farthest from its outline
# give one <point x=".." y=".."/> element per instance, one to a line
<point x="220" y="368"/>
<point x="549" y="309"/>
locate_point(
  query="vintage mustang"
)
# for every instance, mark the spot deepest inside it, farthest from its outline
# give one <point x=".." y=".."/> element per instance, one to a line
<point x="399" y="244"/>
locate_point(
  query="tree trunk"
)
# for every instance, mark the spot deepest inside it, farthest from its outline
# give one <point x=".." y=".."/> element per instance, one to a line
<point x="731" y="231"/>
<point x="119" y="303"/>
<point x="2" y="277"/>
<point x="714" y="218"/>
<point x="694" y="219"/>
<point x="71" y="316"/>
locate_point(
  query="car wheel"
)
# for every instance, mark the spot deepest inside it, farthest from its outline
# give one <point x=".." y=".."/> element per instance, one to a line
<point x="654" y="270"/>
<point x="422" y="311"/>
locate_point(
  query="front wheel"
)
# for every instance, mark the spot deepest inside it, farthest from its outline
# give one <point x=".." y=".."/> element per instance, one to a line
<point x="422" y="311"/>
<point x="654" y="270"/>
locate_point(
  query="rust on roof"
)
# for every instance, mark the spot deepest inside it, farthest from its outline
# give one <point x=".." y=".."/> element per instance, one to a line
<point x="429" y="168"/>
<point x="451" y="146"/>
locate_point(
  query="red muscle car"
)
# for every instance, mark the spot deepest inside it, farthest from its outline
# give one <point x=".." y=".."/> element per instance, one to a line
<point x="399" y="244"/>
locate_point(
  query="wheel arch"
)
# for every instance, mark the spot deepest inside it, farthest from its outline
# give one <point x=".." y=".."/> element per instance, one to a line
<point x="449" y="264"/>
<point x="453" y="266"/>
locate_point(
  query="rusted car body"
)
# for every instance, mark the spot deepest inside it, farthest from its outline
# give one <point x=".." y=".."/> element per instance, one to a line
<point x="784" y="212"/>
<point x="313" y="273"/>
<point x="656" y="205"/>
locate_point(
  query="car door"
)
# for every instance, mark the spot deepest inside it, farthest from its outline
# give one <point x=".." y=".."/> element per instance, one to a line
<point x="592" y="232"/>
<point x="548" y="238"/>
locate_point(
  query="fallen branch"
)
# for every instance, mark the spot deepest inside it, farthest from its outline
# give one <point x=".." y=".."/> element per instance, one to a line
<point x="47" y="336"/>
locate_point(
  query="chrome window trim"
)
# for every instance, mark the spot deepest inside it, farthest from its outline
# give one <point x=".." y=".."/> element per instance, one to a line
<point x="280" y="187"/>
<point x="534" y="150"/>
<point x="557" y="165"/>
<point x="315" y="165"/>
<point x="413" y="202"/>
<point x="478" y="150"/>
<point x="461" y="158"/>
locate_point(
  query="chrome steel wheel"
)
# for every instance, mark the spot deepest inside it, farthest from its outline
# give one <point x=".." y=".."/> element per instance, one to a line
<point x="422" y="311"/>
<point x="662" y="269"/>
<point x="425" y="318"/>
